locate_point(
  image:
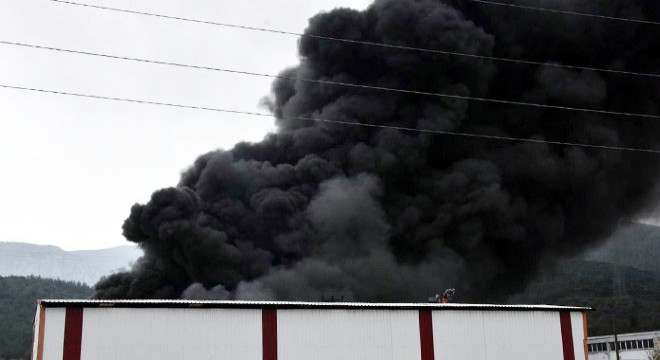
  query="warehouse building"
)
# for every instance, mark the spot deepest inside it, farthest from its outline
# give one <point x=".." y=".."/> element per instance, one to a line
<point x="632" y="346"/>
<point x="162" y="329"/>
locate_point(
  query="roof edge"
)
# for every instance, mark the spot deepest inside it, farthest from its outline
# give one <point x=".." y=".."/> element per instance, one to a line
<point x="223" y="304"/>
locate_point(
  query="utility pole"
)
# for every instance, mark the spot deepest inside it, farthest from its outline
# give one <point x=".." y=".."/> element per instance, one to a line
<point x="616" y="340"/>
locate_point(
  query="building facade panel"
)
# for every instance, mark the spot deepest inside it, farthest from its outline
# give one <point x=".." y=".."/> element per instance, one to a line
<point x="458" y="335"/>
<point x="53" y="339"/>
<point x="578" y="320"/>
<point x="84" y="329"/>
<point x="522" y="335"/>
<point x="348" y="334"/>
<point x="157" y="334"/>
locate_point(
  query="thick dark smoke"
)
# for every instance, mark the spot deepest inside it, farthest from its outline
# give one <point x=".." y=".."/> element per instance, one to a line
<point x="371" y="214"/>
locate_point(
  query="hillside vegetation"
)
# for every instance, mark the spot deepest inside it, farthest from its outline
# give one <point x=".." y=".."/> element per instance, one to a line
<point x="621" y="295"/>
<point x="18" y="299"/>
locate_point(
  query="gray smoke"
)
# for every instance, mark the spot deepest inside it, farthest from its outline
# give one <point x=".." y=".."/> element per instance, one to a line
<point x="319" y="209"/>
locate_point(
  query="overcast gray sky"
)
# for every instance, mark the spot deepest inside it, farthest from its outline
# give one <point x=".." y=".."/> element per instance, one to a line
<point x="72" y="167"/>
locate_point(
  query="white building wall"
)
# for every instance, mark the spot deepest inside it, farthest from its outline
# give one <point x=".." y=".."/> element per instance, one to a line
<point x="234" y="333"/>
<point x="599" y="356"/>
<point x="577" y="327"/>
<point x="54" y="333"/>
<point x="523" y="335"/>
<point x="459" y="335"/>
<point x="348" y="334"/>
<point x="497" y="335"/>
<point x="633" y="355"/>
<point x="201" y="334"/>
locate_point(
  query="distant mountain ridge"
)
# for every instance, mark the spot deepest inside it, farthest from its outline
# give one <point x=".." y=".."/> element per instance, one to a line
<point x="634" y="245"/>
<point x="48" y="261"/>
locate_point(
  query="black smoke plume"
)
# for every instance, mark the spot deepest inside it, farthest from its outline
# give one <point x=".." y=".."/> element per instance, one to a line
<point x="320" y="209"/>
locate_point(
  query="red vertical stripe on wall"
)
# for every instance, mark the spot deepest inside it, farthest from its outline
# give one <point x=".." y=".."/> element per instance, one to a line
<point x="269" y="333"/>
<point x="72" y="333"/>
<point x="567" y="335"/>
<point x="426" y="334"/>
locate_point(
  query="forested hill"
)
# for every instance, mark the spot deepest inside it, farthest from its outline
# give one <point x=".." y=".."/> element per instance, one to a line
<point x="18" y="299"/>
<point x="624" y="295"/>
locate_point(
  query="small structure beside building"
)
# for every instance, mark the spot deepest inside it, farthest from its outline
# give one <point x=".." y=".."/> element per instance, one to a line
<point x="632" y="346"/>
<point x="246" y="330"/>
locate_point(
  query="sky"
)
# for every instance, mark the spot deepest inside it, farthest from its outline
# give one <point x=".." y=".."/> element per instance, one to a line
<point x="72" y="167"/>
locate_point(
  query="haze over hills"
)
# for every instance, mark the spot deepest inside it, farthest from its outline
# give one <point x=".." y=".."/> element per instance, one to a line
<point x="620" y="279"/>
<point x="47" y="261"/>
<point x="622" y="294"/>
<point x="636" y="245"/>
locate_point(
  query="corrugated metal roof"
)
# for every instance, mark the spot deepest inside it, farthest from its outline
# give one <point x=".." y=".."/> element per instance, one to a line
<point x="298" y="305"/>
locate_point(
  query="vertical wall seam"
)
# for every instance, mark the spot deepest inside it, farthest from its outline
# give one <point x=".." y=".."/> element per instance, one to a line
<point x="73" y="324"/>
<point x="391" y="337"/>
<point x="269" y="334"/>
<point x="566" y="335"/>
<point x="483" y="332"/>
<point x="426" y="334"/>
<point x="586" y="335"/>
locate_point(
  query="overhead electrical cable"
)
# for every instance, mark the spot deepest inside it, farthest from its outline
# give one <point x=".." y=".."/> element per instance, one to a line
<point x="565" y="12"/>
<point x="339" y="122"/>
<point x="345" y="84"/>
<point x="370" y="43"/>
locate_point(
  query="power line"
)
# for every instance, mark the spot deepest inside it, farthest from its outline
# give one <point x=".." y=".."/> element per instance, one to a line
<point x="566" y="12"/>
<point x="370" y="43"/>
<point x="340" y="122"/>
<point x="344" y="84"/>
